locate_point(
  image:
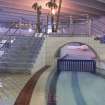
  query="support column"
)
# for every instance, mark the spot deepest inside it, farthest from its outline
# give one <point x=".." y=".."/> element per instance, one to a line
<point x="89" y="25"/>
<point x="47" y="24"/>
<point x="70" y="24"/>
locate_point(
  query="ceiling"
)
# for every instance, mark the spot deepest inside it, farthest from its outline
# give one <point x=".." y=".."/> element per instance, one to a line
<point x="12" y="10"/>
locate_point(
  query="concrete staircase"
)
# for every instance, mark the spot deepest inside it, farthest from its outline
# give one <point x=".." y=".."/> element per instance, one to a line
<point x="21" y="55"/>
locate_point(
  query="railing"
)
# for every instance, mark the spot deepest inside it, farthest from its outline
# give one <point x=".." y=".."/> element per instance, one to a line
<point x="64" y="30"/>
<point x="12" y="25"/>
<point x="101" y="23"/>
<point x="76" y="65"/>
<point x="66" y="35"/>
<point x="19" y="54"/>
<point x="71" y="31"/>
<point x="98" y="29"/>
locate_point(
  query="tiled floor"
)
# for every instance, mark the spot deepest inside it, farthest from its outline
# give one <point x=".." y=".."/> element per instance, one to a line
<point x="11" y="85"/>
<point x="39" y="96"/>
<point x="71" y="89"/>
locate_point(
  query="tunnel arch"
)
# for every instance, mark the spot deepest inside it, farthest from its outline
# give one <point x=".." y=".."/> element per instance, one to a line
<point x="57" y="54"/>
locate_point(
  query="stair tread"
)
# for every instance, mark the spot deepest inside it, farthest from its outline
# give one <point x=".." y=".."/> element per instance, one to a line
<point x="22" y="54"/>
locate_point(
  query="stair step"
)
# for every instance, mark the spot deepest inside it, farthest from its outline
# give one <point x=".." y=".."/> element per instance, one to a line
<point x="14" y="68"/>
<point x="16" y="65"/>
<point x="21" y="55"/>
<point x="18" y="60"/>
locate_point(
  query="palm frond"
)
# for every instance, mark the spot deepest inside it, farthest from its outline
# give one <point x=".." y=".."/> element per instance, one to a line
<point x="55" y="6"/>
<point x="51" y="5"/>
<point x="35" y="5"/>
<point x="39" y="7"/>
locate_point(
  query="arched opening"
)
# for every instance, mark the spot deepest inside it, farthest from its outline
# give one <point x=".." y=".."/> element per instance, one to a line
<point x="76" y="56"/>
<point x="77" y="50"/>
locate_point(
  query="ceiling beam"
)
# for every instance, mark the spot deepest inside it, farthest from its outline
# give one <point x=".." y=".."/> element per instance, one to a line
<point x="44" y="11"/>
<point x="83" y="10"/>
<point x="69" y="11"/>
<point x="73" y="6"/>
<point x="89" y="3"/>
<point x="32" y="16"/>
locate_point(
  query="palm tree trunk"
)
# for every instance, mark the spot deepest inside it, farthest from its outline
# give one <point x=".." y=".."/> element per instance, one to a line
<point x="47" y="23"/>
<point x="38" y="21"/>
<point x="59" y="9"/>
<point x="52" y="18"/>
<point x="52" y="22"/>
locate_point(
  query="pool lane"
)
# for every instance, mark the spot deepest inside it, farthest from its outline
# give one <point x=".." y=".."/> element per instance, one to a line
<point x="80" y="89"/>
<point x="52" y="90"/>
<point x="93" y="88"/>
<point x="77" y="90"/>
<point x="64" y="93"/>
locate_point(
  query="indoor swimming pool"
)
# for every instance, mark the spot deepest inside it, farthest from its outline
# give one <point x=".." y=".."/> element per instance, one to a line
<point x="77" y="88"/>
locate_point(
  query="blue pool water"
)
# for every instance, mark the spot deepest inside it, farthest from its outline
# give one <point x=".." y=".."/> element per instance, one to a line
<point x="79" y="88"/>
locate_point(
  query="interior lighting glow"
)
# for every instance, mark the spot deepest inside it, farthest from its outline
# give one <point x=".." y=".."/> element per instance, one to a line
<point x="1" y="85"/>
<point x="83" y="47"/>
<point x="49" y="31"/>
<point x="53" y="12"/>
<point x="30" y="30"/>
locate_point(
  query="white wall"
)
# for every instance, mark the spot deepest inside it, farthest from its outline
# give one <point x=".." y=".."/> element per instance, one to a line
<point x="41" y="60"/>
<point x="52" y="44"/>
<point x="77" y="53"/>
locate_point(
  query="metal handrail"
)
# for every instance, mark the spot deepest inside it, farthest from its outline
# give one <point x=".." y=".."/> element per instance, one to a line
<point x="16" y="30"/>
<point x="10" y="28"/>
<point x="101" y="22"/>
<point x="98" y="28"/>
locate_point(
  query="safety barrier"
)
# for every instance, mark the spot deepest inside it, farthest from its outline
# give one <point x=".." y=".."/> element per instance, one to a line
<point x="76" y="65"/>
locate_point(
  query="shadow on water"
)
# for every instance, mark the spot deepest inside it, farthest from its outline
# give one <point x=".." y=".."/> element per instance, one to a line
<point x="51" y="94"/>
<point x="76" y="90"/>
<point x="52" y="89"/>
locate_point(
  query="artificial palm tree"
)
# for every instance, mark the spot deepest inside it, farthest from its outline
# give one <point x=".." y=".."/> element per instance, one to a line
<point x="59" y="10"/>
<point x="37" y="8"/>
<point x="52" y="5"/>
